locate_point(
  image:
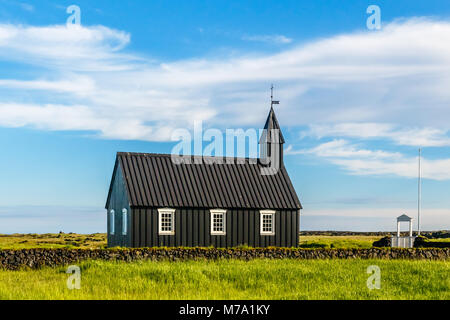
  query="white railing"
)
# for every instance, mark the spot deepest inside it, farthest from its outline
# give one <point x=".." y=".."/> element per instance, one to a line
<point x="402" y="242"/>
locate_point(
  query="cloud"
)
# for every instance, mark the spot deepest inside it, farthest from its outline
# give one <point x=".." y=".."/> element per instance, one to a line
<point x="342" y="149"/>
<point x="78" y="85"/>
<point x="379" y="77"/>
<point x="407" y="167"/>
<point x="78" y="118"/>
<point x="359" y="161"/>
<point x="425" y="137"/>
<point x="276" y="39"/>
<point x="67" y="48"/>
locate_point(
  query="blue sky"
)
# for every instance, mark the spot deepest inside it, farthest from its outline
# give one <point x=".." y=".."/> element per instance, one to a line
<point x="356" y="104"/>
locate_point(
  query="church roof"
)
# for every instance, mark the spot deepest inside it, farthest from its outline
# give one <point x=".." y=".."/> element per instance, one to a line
<point x="156" y="180"/>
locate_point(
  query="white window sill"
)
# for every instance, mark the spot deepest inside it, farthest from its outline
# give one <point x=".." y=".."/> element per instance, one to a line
<point x="166" y="233"/>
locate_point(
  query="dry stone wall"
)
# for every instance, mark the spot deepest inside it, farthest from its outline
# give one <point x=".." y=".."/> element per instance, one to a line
<point x="36" y="258"/>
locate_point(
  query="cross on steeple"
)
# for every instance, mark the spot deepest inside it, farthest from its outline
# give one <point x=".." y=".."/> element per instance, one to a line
<point x="272" y="102"/>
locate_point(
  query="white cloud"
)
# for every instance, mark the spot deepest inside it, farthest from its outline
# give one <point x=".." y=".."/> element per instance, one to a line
<point x="399" y="75"/>
<point x="425" y="137"/>
<point x="79" y="85"/>
<point x="406" y="167"/>
<point x="79" y="118"/>
<point x="377" y="162"/>
<point x="342" y="149"/>
<point x="277" y="39"/>
<point x="75" y="48"/>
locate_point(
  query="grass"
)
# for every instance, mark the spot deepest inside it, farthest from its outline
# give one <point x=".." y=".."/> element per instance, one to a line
<point x="52" y="240"/>
<point x="98" y="240"/>
<point x="234" y="279"/>
<point x="342" y="242"/>
<point x="439" y="240"/>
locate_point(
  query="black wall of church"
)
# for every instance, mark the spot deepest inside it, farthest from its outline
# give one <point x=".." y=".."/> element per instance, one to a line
<point x="193" y="228"/>
<point x="118" y="202"/>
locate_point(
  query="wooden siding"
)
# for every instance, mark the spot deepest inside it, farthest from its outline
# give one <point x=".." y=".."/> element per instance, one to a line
<point x="118" y="202"/>
<point x="192" y="229"/>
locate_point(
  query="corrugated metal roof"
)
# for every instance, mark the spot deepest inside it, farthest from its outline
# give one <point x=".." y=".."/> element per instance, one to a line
<point x="154" y="180"/>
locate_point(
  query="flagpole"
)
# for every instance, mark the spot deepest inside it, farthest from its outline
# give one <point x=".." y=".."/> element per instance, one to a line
<point x="419" y="194"/>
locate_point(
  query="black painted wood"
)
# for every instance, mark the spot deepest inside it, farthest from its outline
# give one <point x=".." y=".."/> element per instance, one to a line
<point x="119" y="201"/>
<point x="192" y="228"/>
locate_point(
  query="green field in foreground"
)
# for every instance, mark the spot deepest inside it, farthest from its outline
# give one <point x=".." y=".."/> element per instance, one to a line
<point x="234" y="279"/>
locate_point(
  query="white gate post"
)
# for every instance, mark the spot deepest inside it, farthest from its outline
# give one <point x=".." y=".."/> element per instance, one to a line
<point x="398" y="228"/>
<point x="410" y="228"/>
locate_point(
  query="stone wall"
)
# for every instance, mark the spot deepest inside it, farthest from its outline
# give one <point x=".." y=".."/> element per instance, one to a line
<point x="36" y="258"/>
<point x="423" y="242"/>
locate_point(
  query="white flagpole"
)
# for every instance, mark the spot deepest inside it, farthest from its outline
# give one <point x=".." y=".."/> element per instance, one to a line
<point x="419" y="194"/>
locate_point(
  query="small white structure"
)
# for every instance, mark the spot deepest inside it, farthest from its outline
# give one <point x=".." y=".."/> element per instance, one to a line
<point x="403" y="242"/>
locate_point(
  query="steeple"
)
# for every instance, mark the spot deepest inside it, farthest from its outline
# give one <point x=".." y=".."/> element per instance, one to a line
<point x="272" y="123"/>
<point x="272" y="140"/>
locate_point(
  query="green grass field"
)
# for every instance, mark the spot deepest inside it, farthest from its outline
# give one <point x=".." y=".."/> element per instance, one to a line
<point x="52" y="240"/>
<point x="98" y="241"/>
<point x="234" y="279"/>
<point x="337" y="241"/>
<point x="224" y="279"/>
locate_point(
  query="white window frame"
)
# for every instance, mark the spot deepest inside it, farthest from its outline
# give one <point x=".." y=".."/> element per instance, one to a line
<point x="160" y="213"/>
<point x="261" y="219"/>
<point x="224" y="221"/>
<point x="112" y="222"/>
<point x="124" y="221"/>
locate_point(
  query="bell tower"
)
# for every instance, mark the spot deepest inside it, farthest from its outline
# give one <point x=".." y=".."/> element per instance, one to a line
<point x="272" y="140"/>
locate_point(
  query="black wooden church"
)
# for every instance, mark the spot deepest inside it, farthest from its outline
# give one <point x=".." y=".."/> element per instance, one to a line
<point x="154" y="201"/>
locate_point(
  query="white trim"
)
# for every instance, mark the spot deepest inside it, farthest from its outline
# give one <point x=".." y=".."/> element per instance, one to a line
<point x="172" y="213"/>
<point x="124" y="221"/>
<point x="263" y="213"/>
<point x="224" y="222"/>
<point x="112" y="222"/>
